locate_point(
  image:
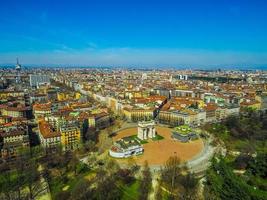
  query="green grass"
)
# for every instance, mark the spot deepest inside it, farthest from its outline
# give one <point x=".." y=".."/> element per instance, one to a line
<point x="258" y="182"/>
<point x="57" y="184"/>
<point x="130" y="192"/>
<point x="184" y="129"/>
<point x="143" y="141"/>
<point x="158" y="137"/>
<point x="134" y="137"/>
<point x="165" y="195"/>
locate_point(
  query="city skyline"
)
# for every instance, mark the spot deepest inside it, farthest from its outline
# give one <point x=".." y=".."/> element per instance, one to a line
<point x="133" y="99"/>
<point x="135" y="33"/>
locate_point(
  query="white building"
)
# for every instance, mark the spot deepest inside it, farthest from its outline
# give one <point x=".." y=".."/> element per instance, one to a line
<point x="38" y="79"/>
<point x="126" y="147"/>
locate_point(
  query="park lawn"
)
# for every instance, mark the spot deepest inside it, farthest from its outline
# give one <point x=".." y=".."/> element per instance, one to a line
<point x="158" y="137"/>
<point x="130" y="192"/>
<point x="165" y="195"/>
<point x="134" y="137"/>
<point x="44" y="197"/>
<point x="90" y="176"/>
<point x="143" y="141"/>
<point x="57" y="184"/>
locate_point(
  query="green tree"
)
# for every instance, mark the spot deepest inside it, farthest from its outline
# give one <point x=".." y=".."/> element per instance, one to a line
<point x="7" y="184"/>
<point x="258" y="166"/>
<point x="222" y="183"/>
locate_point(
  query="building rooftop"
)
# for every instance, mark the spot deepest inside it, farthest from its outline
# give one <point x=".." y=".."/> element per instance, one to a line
<point x="47" y="131"/>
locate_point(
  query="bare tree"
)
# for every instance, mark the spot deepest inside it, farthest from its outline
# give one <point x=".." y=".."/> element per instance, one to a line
<point x="146" y="182"/>
<point x="180" y="183"/>
<point x="170" y="172"/>
<point x="189" y="186"/>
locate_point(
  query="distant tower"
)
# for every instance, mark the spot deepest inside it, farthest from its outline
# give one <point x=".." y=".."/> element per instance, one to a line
<point x="18" y="66"/>
<point x="18" y="69"/>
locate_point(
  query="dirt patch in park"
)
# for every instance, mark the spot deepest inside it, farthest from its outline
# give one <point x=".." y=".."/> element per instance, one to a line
<point x="158" y="152"/>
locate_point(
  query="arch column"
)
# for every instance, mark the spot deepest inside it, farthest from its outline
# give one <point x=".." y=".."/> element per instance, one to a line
<point x="153" y="132"/>
<point x="146" y="130"/>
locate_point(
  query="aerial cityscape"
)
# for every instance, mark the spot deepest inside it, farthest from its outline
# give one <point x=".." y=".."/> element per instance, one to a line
<point x="133" y="100"/>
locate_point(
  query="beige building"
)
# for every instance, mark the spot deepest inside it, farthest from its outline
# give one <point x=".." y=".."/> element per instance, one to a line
<point x="12" y="140"/>
<point x="42" y="110"/>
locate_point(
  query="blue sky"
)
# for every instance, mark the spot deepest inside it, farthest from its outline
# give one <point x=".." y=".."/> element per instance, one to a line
<point x="134" y="32"/>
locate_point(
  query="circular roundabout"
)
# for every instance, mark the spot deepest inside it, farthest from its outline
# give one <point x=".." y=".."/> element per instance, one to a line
<point x="157" y="151"/>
